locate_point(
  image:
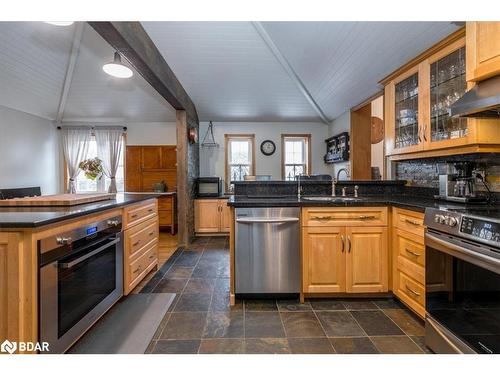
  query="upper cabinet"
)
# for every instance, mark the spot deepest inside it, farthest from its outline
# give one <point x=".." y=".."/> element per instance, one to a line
<point x="418" y="99"/>
<point x="483" y="50"/>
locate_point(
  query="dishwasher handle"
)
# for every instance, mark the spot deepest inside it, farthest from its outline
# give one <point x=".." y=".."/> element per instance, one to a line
<point x="268" y="220"/>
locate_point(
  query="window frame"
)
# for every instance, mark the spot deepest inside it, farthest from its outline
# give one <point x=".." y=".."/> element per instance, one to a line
<point x="227" y="139"/>
<point x="302" y="137"/>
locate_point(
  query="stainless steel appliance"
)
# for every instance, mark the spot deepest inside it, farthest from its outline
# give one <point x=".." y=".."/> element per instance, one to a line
<point x="209" y="186"/>
<point x="457" y="184"/>
<point x="267" y="250"/>
<point x="462" y="280"/>
<point x="80" y="278"/>
<point x="482" y="101"/>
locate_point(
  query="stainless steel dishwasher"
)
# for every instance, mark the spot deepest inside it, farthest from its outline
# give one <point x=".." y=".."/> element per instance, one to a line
<point x="267" y="250"/>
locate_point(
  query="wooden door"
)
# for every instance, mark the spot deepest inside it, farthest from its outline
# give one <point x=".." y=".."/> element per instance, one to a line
<point x="366" y="259"/>
<point x="323" y="259"/>
<point x="206" y="216"/>
<point x="225" y="216"/>
<point x="133" y="168"/>
<point x="483" y="50"/>
<point x="169" y="157"/>
<point x="151" y="157"/>
<point x="361" y="143"/>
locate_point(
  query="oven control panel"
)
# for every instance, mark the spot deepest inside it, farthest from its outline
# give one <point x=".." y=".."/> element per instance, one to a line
<point x="483" y="229"/>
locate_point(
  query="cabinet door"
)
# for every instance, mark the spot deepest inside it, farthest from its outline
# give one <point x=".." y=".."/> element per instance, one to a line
<point x="483" y="50"/>
<point x="206" y="215"/>
<point x="366" y="260"/>
<point x="225" y="216"/>
<point x="133" y="171"/>
<point x="323" y="259"/>
<point x="169" y="157"/>
<point x="151" y="157"/>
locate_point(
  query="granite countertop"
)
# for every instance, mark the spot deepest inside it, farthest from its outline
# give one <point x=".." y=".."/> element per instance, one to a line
<point x="32" y="217"/>
<point x="414" y="203"/>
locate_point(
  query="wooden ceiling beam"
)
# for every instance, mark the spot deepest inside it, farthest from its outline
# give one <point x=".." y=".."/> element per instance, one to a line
<point x="134" y="44"/>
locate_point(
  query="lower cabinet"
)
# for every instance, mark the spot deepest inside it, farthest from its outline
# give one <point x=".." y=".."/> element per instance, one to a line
<point x="345" y="258"/>
<point x="212" y="216"/>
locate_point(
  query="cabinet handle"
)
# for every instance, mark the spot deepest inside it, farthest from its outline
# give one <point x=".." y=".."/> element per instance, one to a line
<point x="138" y="269"/>
<point x="349" y="244"/>
<point x="366" y="217"/>
<point x="419" y="135"/>
<point x="412" y="291"/>
<point x="137" y="243"/>
<point x="133" y="216"/>
<point x="151" y="256"/>
<point x="320" y="218"/>
<point x="342" y="239"/>
<point x="425" y="131"/>
<point x="412" y="222"/>
<point x="150" y="210"/>
<point x="151" y="233"/>
<point x="412" y="252"/>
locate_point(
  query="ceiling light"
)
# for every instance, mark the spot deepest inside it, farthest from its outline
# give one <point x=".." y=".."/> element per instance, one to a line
<point x="60" y="23"/>
<point x="117" y="69"/>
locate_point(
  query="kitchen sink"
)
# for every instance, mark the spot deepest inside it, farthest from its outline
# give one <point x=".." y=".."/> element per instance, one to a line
<point x="331" y="199"/>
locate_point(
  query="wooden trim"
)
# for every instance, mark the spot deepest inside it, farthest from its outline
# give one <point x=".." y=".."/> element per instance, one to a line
<point x="368" y="100"/>
<point x="227" y="137"/>
<point x="360" y="143"/>
<point x="307" y="137"/>
<point x="460" y="33"/>
<point x="232" y="299"/>
<point x="447" y="152"/>
<point x="134" y="44"/>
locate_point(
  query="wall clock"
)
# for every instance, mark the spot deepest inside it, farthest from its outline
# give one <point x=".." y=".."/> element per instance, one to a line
<point x="267" y="147"/>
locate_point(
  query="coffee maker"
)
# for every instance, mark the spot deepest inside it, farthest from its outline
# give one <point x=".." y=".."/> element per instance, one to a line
<point x="457" y="183"/>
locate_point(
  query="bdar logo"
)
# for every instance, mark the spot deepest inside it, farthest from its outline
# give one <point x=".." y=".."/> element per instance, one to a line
<point x="8" y="347"/>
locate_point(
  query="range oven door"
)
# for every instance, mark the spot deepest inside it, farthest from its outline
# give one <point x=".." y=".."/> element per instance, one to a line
<point x="76" y="290"/>
<point x="462" y="295"/>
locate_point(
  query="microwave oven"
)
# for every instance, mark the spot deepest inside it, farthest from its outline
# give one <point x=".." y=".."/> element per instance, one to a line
<point x="209" y="187"/>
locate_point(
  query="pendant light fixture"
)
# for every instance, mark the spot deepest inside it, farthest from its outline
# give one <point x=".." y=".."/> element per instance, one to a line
<point x="60" y="23"/>
<point x="210" y="142"/>
<point x="117" y="69"/>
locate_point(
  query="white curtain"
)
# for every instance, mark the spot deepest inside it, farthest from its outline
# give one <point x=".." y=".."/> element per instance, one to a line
<point x="75" y="142"/>
<point x="109" y="146"/>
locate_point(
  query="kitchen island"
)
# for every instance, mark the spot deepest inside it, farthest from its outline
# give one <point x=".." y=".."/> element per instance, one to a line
<point x="25" y="230"/>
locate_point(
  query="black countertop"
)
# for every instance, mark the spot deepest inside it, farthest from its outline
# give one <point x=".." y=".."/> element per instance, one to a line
<point x="414" y="203"/>
<point x="31" y="217"/>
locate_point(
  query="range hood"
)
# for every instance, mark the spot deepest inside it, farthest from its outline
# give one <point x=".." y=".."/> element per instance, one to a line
<point x="482" y="101"/>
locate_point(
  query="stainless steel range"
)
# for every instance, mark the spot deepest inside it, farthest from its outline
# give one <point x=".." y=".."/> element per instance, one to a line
<point x="463" y="280"/>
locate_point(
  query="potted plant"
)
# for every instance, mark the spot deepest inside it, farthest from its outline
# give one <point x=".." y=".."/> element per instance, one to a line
<point x="92" y="168"/>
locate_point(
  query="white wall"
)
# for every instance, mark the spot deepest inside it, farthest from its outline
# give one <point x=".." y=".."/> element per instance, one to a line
<point x="378" y="148"/>
<point x="212" y="159"/>
<point x="151" y="133"/>
<point x="339" y="125"/>
<point x="29" y="152"/>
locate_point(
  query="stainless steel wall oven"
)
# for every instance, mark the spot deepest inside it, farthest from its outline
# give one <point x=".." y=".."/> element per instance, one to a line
<point x="80" y="278"/>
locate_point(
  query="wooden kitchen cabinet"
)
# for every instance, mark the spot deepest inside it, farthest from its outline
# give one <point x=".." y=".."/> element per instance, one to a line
<point x="212" y="216"/>
<point x="350" y="257"/>
<point x="483" y="50"/>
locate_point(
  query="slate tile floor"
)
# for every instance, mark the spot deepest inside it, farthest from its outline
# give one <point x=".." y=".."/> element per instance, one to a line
<point x="201" y="321"/>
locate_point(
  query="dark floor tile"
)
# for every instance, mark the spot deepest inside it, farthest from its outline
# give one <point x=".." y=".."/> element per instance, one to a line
<point x="193" y="302"/>
<point x="150" y="347"/>
<point x="396" y="345"/>
<point x="221" y="302"/>
<point x="174" y="302"/>
<point x="222" y="285"/>
<point x="359" y="304"/>
<point x="263" y="324"/>
<point x="179" y="272"/>
<point x="376" y="323"/>
<point x="205" y="286"/>
<point x="170" y="286"/>
<point x="185" y="325"/>
<point x="310" y="346"/>
<point x="267" y="346"/>
<point x="293" y="305"/>
<point x="388" y="303"/>
<point x="353" y="345"/>
<point x="420" y="341"/>
<point x="176" y="347"/>
<point x="222" y="346"/>
<point x="224" y="324"/>
<point x="326" y="304"/>
<point x="151" y="284"/>
<point x="339" y="324"/>
<point x="410" y="324"/>
<point x="261" y="305"/>
<point x="210" y="271"/>
<point x="188" y="259"/>
<point x="161" y="326"/>
<point x="301" y="324"/>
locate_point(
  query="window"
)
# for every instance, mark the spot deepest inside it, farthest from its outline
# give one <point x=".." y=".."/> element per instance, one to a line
<point x="295" y="155"/>
<point x="85" y="185"/>
<point x="240" y="157"/>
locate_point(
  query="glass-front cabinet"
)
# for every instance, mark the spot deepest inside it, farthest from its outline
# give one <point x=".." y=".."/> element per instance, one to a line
<point x="418" y="100"/>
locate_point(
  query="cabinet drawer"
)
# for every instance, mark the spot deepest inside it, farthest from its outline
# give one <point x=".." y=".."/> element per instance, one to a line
<point x="410" y="221"/>
<point x="411" y="269"/>
<point x="352" y="216"/>
<point x="140" y="236"/>
<point x="410" y="246"/>
<point x="138" y="213"/>
<point x="165" y="203"/>
<point x="411" y="289"/>
<point x="140" y="267"/>
<point x="165" y="217"/>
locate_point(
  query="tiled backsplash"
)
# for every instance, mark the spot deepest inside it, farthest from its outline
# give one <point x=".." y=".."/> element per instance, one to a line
<point x="425" y="172"/>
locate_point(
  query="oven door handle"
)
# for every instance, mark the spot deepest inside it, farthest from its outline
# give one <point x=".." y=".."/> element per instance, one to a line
<point x="461" y="251"/>
<point x="88" y="255"/>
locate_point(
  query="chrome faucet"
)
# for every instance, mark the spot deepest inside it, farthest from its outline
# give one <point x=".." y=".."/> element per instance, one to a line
<point x="343" y="191"/>
<point x="299" y="188"/>
<point x="346" y="173"/>
<point x="334" y="181"/>
<point x="356" y="187"/>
